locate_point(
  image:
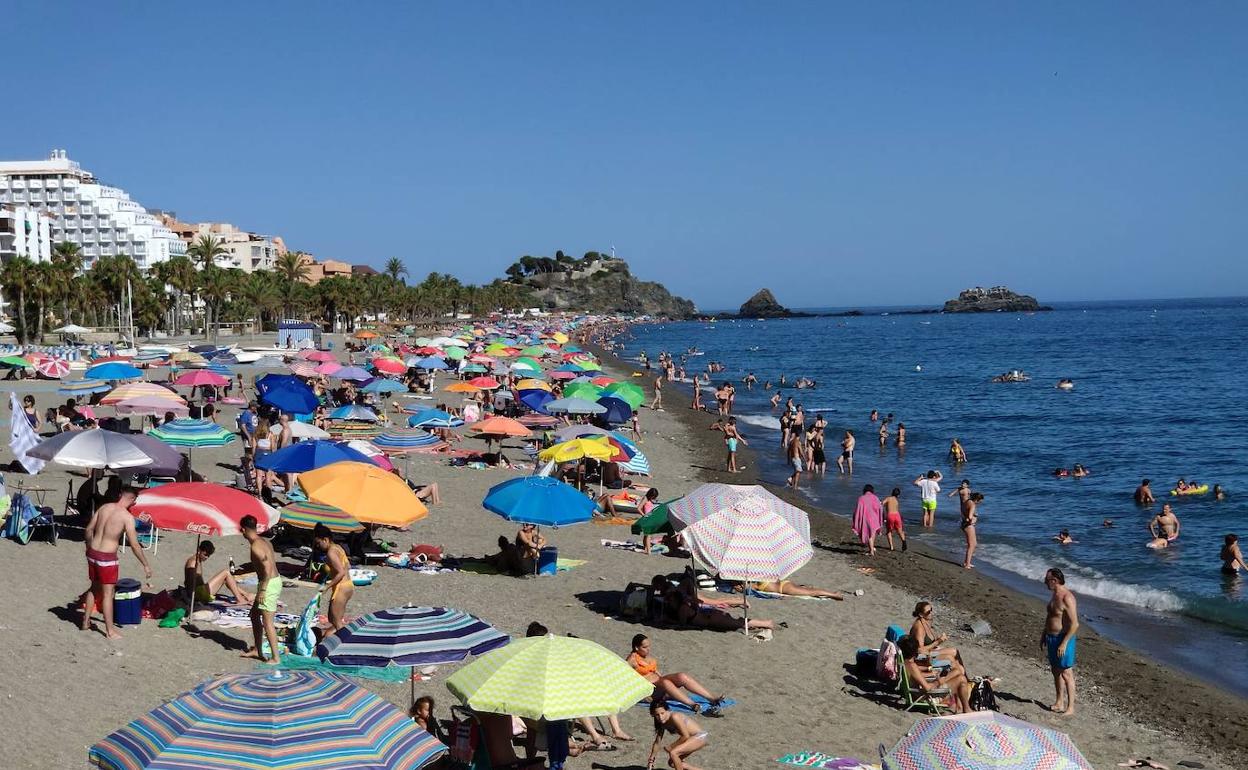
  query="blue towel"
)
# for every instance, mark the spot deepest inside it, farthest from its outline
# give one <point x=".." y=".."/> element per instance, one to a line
<point x="676" y="705"/>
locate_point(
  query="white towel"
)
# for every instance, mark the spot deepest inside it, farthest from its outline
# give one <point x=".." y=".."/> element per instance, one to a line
<point x="22" y="437"/>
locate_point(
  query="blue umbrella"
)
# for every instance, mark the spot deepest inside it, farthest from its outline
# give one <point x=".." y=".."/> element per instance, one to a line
<point x="308" y="455"/>
<point x="539" y="500"/>
<point x="431" y="362"/>
<point x="433" y="418"/>
<point x="114" y="370"/>
<point x="384" y="385"/>
<point x="353" y="412"/>
<point x="536" y="399"/>
<point x="287" y="393"/>
<point x="618" y="410"/>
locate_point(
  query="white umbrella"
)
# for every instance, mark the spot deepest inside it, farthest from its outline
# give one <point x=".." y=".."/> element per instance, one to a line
<point x="306" y="430"/>
<point x="72" y="329"/>
<point x="95" y="448"/>
<point x="6" y="328"/>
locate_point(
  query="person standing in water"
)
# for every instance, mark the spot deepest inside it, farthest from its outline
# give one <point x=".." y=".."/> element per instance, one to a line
<point x="956" y="453"/>
<point x="1164" y="528"/>
<point x="794" y="455"/>
<point x="970" y="517"/>
<point x="1061" y="624"/>
<point x="1144" y="494"/>
<point x="846" y="457"/>
<point x="929" y="487"/>
<point x="1232" y="558"/>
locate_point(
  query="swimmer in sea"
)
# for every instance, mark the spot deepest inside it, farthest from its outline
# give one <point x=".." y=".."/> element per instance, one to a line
<point x="1144" y="494"/>
<point x="1079" y="471"/>
<point x="956" y="452"/>
<point x="1232" y="558"/>
<point x="775" y="398"/>
<point x="875" y="415"/>
<point x="1219" y="493"/>
<point x="901" y="435"/>
<point x="884" y="433"/>
<point x="1164" y="528"/>
<point x="1064" y="537"/>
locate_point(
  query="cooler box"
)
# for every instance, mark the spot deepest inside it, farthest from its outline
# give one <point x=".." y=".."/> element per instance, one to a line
<point x="546" y="560"/>
<point x="128" y="602"/>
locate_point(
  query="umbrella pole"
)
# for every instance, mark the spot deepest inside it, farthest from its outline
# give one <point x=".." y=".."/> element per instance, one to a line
<point x="412" y="678"/>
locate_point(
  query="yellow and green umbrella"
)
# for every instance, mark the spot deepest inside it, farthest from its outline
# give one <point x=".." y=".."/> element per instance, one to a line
<point x="551" y="678"/>
<point x="576" y="449"/>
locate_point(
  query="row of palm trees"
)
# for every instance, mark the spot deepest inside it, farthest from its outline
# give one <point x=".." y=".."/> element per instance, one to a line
<point x="192" y="293"/>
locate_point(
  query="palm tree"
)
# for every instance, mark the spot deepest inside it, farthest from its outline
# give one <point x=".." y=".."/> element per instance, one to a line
<point x="293" y="269"/>
<point x="395" y="269"/>
<point x="67" y="259"/>
<point x="178" y="273"/>
<point x="16" y="277"/>
<point x="259" y="293"/>
<point x="215" y="290"/>
<point x="205" y="251"/>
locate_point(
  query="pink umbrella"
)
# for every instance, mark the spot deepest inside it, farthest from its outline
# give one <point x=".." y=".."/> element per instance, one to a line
<point x="558" y="375"/>
<point x="323" y="356"/>
<point x="201" y="507"/>
<point x="151" y="405"/>
<point x="304" y="369"/>
<point x="201" y="377"/>
<point x="54" y="368"/>
<point x="389" y="365"/>
<point x="329" y="367"/>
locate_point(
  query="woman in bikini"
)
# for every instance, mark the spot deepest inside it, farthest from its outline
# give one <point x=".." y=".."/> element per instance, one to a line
<point x="1232" y="558"/>
<point x="669" y="685"/>
<point x="336" y="576"/>
<point x="970" y="517"/>
<point x="927" y="679"/>
<point x="689" y="736"/>
<point x="928" y="642"/>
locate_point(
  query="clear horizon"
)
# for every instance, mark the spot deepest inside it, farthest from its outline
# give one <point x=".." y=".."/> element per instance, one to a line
<point x="839" y="156"/>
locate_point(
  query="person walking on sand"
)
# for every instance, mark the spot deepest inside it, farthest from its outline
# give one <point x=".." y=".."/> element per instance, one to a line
<point x="846" y="458"/>
<point x="657" y="403"/>
<point x="336" y="576"/>
<point x="731" y="438"/>
<point x="794" y="453"/>
<point x="868" y="518"/>
<point x="268" y="589"/>
<point x="892" y="519"/>
<point x="970" y="517"/>
<point x="929" y="487"/>
<point x="103" y="539"/>
<point x="1061" y="624"/>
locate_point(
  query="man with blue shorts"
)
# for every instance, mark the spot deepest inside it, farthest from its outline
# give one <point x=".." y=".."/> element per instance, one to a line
<point x="1058" y="640"/>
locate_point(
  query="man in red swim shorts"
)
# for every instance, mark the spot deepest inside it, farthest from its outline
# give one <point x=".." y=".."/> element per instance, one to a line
<point x="103" y="537"/>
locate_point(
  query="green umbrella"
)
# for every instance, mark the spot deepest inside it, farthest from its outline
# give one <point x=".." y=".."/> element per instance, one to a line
<point x="627" y="392"/>
<point x="526" y="361"/>
<point x="15" y="361"/>
<point x="654" y="522"/>
<point x="585" y="390"/>
<point x="454" y="352"/>
<point x="549" y="677"/>
<point x="536" y="351"/>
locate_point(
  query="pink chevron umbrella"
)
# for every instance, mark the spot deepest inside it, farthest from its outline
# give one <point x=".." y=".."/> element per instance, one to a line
<point x="53" y="368"/>
<point x="304" y="369"/>
<point x="201" y="377"/>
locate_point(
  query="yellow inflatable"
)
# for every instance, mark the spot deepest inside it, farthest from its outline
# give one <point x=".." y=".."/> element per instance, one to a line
<point x="1200" y="490"/>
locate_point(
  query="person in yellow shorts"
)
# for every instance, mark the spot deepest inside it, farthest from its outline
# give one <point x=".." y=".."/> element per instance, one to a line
<point x="269" y="582"/>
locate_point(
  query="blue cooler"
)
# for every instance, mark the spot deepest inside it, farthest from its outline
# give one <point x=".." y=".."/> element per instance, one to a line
<point x="128" y="602"/>
<point x="547" y="559"/>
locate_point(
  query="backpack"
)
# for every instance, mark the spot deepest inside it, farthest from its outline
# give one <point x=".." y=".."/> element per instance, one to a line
<point x="886" y="661"/>
<point x="982" y="696"/>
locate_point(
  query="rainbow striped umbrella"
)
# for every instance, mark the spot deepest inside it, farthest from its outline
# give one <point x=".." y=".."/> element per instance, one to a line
<point x="346" y="430"/>
<point x="307" y="515"/>
<point x="743" y="532"/>
<point x="270" y="719"/>
<point x="984" y="739"/>
<point x="403" y="440"/>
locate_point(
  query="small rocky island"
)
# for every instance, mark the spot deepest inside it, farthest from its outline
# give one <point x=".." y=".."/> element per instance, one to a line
<point x="764" y="305"/>
<point x="996" y="299"/>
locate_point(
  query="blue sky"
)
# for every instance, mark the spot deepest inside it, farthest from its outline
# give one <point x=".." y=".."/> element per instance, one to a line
<point x="839" y="155"/>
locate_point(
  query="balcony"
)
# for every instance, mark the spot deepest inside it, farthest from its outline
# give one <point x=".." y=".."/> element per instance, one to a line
<point x="35" y="184"/>
<point x="17" y="184"/>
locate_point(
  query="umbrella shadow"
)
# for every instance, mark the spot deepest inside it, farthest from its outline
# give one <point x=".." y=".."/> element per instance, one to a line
<point x="228" y="642"/>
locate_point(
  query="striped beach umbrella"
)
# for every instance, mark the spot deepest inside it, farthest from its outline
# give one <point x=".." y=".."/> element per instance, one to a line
<point x="271" y="719"/>
<point x="53" y="368"/>
<point x="354" y="412"/>
<point x="304" y="369"/>
<point x="151" y="406"/>
<point x="83" y="387"/>
<point x="550" y="677"/>
<point x="345" y="430"/>
<point x="399" y="441"/>
<point x="138" y="389"/>
<point x="307" y="515"/>
<point x="193" y="433"/>
<point x="984" y="739"/>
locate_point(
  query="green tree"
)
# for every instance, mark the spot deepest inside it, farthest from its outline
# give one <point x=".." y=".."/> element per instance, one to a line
<point x="395" y="269"/>
<point x="292" y="267"/>
<point x="259" y="294"/>
<point x="67" y="263"/>
<point x="16" y="278"/>
<point x="178" y="273"/>
<point x="205" y="250"/>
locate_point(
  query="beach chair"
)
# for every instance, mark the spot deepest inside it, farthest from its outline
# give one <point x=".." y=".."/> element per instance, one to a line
<point x="918" y="699"/>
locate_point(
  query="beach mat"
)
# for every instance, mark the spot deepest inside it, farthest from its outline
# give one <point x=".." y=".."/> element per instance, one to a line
<point x="825" y="761"/>
<point x="675" y="705"/>
<point x="380" y="673"/>
<point x="563" y="565"/>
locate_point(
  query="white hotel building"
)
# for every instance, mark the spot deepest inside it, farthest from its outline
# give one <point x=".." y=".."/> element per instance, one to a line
<point x="101" y="220"/>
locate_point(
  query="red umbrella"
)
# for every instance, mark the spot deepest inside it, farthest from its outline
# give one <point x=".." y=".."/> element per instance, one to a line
<point x="602" y="380"/>
<point x="201" y="507"/>
<point x="318" y="355"/>
<point x="389" y="365"/>
<point x="54" y="368"/>
<point x="201" y="377"/>
<point x="428" y="351"/>
<point x="484" y="383"/>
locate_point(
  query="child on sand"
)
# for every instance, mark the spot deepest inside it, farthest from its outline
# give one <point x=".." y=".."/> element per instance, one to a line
<point x="689" y="736"/>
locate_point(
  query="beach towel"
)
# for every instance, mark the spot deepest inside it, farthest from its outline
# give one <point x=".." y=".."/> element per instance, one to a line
<point x="703" y="703"/>
<point x="825" y="761"/>
<point x="868" y="517"/>
<point x="614" y="521"/>
<point x="22" y="437"/>
<point x="303" y="636"/>
<point x="306" y="663"/>
<point x="563" y="565"/>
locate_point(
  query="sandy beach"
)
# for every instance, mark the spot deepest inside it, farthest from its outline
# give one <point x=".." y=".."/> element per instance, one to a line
<point x="66" y="689"/>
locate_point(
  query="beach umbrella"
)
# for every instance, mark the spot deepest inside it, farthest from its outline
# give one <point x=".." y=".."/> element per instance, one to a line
<point x="201" y="377"/>
<point x="366" y="334"/>
<point x="550" y="677"/>
<point x="140" y="390"/>
<point x="460" y="386"/>
<point x="306" y="430"/>
<point x="193" y="434"/>
<point x="286" y="393"/>
<point x="530" y="383"/>
<point x="711" y="499"/>
<point x="526" y="366"/>
<point x="151" y="406"/>
<point x="574" y="406"/>
<point x="329" y="368"/>
<point x="307" y="515"/>
<point x="580" y="430"/>
<point x="353" y="373"/>
<point x="384" y="386"/>
<point x="454" y="354"/>
<point x="484" y="383"/>
<point x="535" y="351"/>
<point x="535" y="400"/>
<point x="411" y="636"/>
<point x="444" y="342"/>
<point x="628" y="392"/>
<point x="603" y="381"/>
<point x="271" y="719"/>
<point x="15" y="362"/>
<point x="308" y="455"/>
<point x="585" y="390"/>
<point x="618" y="412"/>
<point x="354" y="412"/>
<point x="540" y="500"/>
<point x="577" y="449"/>
<point x="201" y="507"/>
<point x="303" y="369"/>
<point x="366" y="492"/>
<point x="562" y="374"/>
<point x="150" y="358"/>
<point x="983" y="739"/>
<point x="400" y="441"/>
<point x="320" y="356"/>
<point x="431" y="362"/>
<point x="53" y="368"/>
<point x="434" y="418"/>
<point x="166" y="461"/>
<point x="83" y="387"/>
<point x="220" y="365"/>
<point x="113" y="370"/>
<point x="347" y="430"/>
<point x="389" y="365"/>
<point x="94" y="448"/>
<point x="498" y="428"/>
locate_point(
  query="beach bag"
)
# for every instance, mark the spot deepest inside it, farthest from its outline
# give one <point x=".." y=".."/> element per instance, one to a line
<point x="886" y="661"/>
<point x="633" y="603"/>
<point x="865" y="662"/>
<point x="983" y="698"/>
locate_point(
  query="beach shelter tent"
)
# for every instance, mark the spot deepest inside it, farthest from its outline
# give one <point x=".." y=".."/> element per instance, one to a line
<point x="984" y="739"/>
<point x="411" y="636"/>
<point x="271" y="719"/>
<point x="549" y="677"/>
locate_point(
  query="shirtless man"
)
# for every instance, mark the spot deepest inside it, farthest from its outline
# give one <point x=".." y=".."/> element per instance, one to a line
<point x="103" y="539"/>
<point x="1144" y="494"/>
<point x="749" y="381"/>
<point x="732" y="437"/>
<point x="846" y="457"/>
<point x="269" y="588"/>
<point x="1058" y="640"/>
<point x="529" y="543"/>
<point x="795" y="454"/>
<point x="1164" y="528"/>
<point x="336" y="571"/>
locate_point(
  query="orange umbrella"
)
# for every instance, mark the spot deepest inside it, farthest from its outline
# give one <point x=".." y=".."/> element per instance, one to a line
<point x="365" y="334"/>
<point x="501" y="426"/>
<point x="365" y="492"/>
<point x="462" y="387"/>
<point x="531" y="384"/>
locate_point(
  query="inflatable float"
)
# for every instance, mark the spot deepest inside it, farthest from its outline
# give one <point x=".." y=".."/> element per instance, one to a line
<point x="1200" y="490"/>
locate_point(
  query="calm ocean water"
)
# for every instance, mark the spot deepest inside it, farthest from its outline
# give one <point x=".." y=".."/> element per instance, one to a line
<point x="1160" y="392"/>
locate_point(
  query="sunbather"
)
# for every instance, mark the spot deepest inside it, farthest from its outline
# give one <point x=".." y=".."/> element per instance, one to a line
<point x="927" y="679"/>
<point x="669" y="685"/>
<point x="685" y="607"/>
<point x="928" y="642"/>
<point x="194" y="585"/>
<point x="789" y="588"/>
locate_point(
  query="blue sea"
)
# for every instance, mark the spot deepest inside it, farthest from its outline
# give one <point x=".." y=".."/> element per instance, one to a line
<point x="1160" y="392"/>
